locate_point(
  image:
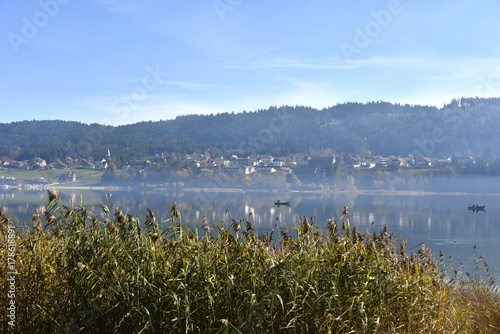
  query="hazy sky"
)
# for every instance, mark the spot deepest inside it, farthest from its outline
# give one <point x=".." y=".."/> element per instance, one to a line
<point x="124" y="61"/>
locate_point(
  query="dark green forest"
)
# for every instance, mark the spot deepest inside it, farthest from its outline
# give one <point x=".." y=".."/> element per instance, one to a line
<point x="466" y="126"/>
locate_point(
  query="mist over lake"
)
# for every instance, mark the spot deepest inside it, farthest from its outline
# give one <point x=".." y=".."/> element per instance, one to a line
<point x="441" y="220"/>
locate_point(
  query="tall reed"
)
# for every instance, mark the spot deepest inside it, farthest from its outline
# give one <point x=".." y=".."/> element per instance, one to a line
<point x="87" y="272"/>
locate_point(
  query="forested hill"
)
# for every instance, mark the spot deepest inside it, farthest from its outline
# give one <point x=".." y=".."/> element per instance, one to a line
<point x="465" y="126"/>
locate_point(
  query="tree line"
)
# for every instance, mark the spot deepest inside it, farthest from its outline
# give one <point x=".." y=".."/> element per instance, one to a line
<point x="466" y="126"/>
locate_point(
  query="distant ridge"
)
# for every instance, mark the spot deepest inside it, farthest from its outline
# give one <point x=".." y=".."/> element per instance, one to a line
<point x="468" y="126"/>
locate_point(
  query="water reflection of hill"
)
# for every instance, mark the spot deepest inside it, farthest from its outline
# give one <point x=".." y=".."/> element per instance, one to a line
<point x="443" y="222"/>
<point x="18" y="204"/>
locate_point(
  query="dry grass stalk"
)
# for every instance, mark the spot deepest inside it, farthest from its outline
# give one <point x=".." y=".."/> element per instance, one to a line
<point x="109" y="276"/>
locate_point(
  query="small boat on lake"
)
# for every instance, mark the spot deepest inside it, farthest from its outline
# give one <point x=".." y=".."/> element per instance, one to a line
<point x="278" y="203"/>
<point x="476" y="207"/>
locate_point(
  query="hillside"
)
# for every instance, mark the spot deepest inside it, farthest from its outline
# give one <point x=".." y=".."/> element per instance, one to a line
<point x="469" y="126"/>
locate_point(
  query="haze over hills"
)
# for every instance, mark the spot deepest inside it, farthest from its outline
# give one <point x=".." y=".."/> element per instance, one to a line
<point x="468" y="126"/>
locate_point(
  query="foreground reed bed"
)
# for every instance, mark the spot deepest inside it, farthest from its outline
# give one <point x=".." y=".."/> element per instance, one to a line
<point x="104" y="272"/>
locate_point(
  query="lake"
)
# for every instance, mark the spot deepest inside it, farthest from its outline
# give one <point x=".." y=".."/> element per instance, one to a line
<point x="442" y="221"/>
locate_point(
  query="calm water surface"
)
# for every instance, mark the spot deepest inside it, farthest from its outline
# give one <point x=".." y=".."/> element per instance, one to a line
<point x="443" y="222"/>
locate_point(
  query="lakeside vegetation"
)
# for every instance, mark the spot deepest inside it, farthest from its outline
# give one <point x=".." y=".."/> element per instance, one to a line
<point x="105" y="271"/>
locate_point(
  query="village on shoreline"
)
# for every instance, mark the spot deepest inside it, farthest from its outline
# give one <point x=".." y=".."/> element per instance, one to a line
<point x="37" y="173"/>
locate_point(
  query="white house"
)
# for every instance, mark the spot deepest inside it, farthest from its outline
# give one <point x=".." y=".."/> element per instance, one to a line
<point x="265" y="170"/>
<point x="243" y="162"/>
<point x="37" y="163"/>
<point x="237" y="170"/>
<point x="278" y="163"/>
<point x="266" y="159"/>
<point x="352" y="163"/>
<point x="103" y="164"/>
<point x="286" y="170"/>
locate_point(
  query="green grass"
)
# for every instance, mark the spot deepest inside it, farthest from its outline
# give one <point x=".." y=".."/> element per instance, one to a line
<point x="84" y="176"/>
<point x="28" y="175"/>
<point x="90" y="272"/>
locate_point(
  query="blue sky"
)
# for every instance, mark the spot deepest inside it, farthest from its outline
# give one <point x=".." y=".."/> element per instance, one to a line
<point x="125" y="61"/>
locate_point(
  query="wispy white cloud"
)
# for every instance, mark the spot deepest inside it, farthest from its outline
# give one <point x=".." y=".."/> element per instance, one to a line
<point x="290" y="63"/>
<point x="419" y="80"/>
<point x="314" y="93"/>
<point x="258" y="56"/>
<point x="432" y="81"/>
<point x="409" y="63"/>
<point x="194" y="86"/>
<point x="120" y="109"/>
<point x="194" y="26"/>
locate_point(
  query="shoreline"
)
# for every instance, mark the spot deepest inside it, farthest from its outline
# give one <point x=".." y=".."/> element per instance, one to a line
<point x="358" y="192"/>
